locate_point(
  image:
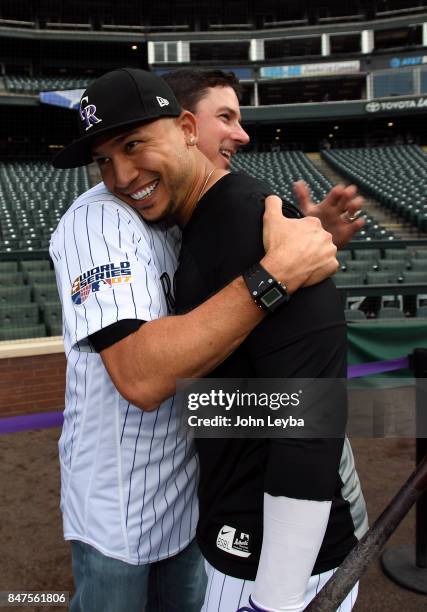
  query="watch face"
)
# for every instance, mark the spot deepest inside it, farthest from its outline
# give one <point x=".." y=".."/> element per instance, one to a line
<point x="271" y="297"/>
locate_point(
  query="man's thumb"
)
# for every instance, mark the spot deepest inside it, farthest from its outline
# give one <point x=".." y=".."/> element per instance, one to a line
<point x="273" y="205"/>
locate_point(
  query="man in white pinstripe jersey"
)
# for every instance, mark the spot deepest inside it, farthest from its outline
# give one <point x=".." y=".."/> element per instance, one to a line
<point x="128" y="476"/>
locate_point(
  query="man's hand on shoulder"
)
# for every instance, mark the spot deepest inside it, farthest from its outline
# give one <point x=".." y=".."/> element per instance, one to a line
<point x="299" y="252"/>
<point x="335" y="211"/>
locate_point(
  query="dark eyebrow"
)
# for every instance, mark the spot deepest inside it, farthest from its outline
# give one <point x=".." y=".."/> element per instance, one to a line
<point x="120" y="138"/>
<point x="228" y="109"/>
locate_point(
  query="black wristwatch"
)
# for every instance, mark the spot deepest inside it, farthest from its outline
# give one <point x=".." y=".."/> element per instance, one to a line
<point x="265" y="290"/>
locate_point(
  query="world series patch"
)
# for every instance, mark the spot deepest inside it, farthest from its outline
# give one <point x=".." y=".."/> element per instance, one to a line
<point x="100" y="278"/>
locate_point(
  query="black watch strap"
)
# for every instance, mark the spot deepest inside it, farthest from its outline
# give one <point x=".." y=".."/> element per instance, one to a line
<point x="265" y="290"/>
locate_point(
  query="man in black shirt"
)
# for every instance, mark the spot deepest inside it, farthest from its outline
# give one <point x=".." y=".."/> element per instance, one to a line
<point x="306" y="338"/>
<point x="229" y="238"/>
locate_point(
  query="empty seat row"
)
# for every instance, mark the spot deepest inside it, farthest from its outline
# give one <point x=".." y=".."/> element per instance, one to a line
<point x="343" y="278"/>
<point x="20" y="83"/>
<point x="33" y="197"/>
<point x="30" y="320"/>
<point x="396" y="176"/>
<point x="388" y="312"/>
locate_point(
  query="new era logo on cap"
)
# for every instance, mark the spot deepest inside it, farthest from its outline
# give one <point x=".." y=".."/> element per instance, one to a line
<point x="162" y="101"/>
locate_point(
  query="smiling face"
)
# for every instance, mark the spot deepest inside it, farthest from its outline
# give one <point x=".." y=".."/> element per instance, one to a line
<point x="218" y="121"/>
<point x="149" y="167"/>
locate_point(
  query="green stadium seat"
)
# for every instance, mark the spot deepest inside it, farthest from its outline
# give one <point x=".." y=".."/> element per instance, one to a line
<point x="380" y="278"/>
<point x="390" y="312"/>
<point x="418" y="277"/>
<point x="52" y="314"/>
<point x="396" y="254"/>
<point x="422" y="312"/>
<point x="393" y="265"/>
<point x="11" y="279"/>
<point x="418" y="253"/>
<point x="43" y="292"/>
<point x="354" y="315"/>
<point x="345" y="279"/>
<point x="41" y="276"/>
<point x="361" y="266"/>
<point x="344" y="256"/>
<point x="20" y="294"/>
<point x="20" y="332"/>
<point x="419" y="265"/>
<point x="370" y="254"/>
<point x="19" y="314"/>
<point x="35" y="265"/>
<point x="55" y="329"/>
<point x="8" y="266"/>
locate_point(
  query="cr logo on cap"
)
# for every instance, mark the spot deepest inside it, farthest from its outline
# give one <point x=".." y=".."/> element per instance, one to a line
<point x="87" y="113"/>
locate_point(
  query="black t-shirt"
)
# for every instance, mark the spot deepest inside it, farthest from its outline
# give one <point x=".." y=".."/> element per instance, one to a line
<point x="306" y="338"/>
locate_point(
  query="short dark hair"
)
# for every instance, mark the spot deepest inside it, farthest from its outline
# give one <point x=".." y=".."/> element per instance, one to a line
<point x="190" y="86"/>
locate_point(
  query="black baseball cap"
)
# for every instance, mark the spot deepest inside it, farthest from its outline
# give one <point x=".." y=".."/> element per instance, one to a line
<point x="120" y="98"/>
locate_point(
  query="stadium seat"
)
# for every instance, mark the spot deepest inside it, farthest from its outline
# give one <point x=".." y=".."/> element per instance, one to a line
<point x="370" y="254"/>
<point x="43" y="292"/>
<point x="8" y="266"/>
<point x="390" y="312"/>
<point x="418" y="265"/>
<point x="11" y="279"/>
<point x="397" y="266"/>
<point x="20" y="294"/>
<point x="418" y="253"/>
<point x="415" y="276"/>
<point x="35" y="265"/>
<point x="422" y="312"/>
<point x="12" y="332"/>
<point x="396" y="254"/>
<point x="346" y="279"/>
<point x="41" y="276"/>
<point x="52" y="314"/>
<point x="380" y="278"/>
<point x="362" y="265"/>
<point x="19" y="314"/>
<point x="384" y="278"/>
<point x="354" y="315"/>
<point x="344" y="256"/>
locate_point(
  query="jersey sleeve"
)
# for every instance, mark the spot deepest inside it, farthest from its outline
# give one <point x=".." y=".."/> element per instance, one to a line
<point x="105" y="270"/>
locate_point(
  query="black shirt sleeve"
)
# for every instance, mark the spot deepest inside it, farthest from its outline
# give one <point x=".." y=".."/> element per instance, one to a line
<point x="111" y="334"/>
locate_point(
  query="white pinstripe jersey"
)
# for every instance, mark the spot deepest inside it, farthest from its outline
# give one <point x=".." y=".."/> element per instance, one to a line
<point x="128" y="477"/>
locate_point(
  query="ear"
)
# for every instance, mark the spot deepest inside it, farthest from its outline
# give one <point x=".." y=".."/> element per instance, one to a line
<point x="187" y="122"/>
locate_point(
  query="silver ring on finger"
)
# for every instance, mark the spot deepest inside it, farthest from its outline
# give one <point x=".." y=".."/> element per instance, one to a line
<point x="350" y="219"/>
